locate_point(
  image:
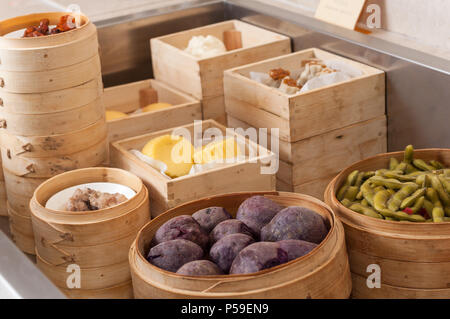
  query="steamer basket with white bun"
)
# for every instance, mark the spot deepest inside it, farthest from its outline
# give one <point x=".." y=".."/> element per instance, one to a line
<point x="98" y="241"/>
<point x="414" y="257"/>
<point x="322" y="273"/>
<point x="52" y="115"/>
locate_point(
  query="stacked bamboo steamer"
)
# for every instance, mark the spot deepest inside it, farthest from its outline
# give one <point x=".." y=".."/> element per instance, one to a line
<point x="3" y="208"/>
<point x="97" y="242"/>
<point x="51" y="111"/>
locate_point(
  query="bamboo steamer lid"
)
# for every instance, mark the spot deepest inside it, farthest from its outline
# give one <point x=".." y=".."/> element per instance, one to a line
<point x="412" y="256"/>
<point x="54" y="101"/>
<point x="324" y="273"/>
<point x="52" y="123"/>
<point x="46" y="167"/>
<point x="54" y="145"/>
<point x="49" y="52"/>
<point x="89" y="239"/>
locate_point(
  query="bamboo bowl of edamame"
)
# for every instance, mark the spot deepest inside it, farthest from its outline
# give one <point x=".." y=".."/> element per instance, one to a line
<point x="403" y="247"/>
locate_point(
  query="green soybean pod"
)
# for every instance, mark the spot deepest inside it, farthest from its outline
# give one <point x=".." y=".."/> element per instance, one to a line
<point x="390" y="218"/>
<point x="367" y="211"/>
<point x="388" y="182"/>
<point x="341" y="193"/>
<point x="410" y="169"/>
<point x="397" y="199"/>
<point x="401" y="167"/>
<point x="445" y="183"/>
<point x="436" y="164"/>
<point x="447" y="211"/>
<point x="438" y="215"/>
<point x="346" y="202"/>
<point x="409" y="154"/>
<point x="436" y="184"/>
<point x="351" y="193"/>
<point x="410" y="200"/>
<point x="359" y="179"/>
<point x="369" y="174"/>
<point x="422" y="165"/>
<point x="364" y="202"/>
<point x="393" y="163"/>
<point x="360" y="195"/>
<point x="428" y="206"/>
<point x="351" y="178"/>
<point x="403" y="178"/>
<point x="380" y="200"/>
<point x="418" y="204"/>
<point x="368" y="192"/>
<point x="402" y="216"/>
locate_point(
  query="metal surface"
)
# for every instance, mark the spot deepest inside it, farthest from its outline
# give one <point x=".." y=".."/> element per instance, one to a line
<point x="20" y="278"/>
<point x="417" y="84"/>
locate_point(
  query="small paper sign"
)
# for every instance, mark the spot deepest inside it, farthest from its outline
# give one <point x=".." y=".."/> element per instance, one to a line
<point x="344" y="13"/>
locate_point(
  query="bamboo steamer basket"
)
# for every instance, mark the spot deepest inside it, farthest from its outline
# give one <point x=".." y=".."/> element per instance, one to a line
<point x="324" y="273"/>
<point x="52" y="123"/>
<point x="19" y="191"/>
<point x="3" y="208"/>
<point x="45" y="167"/>
<point x="54" y="101"/>
<point x="122" y="291"/>
<point x="51" y="80"/>
<point x="54" y="145"/>
<point x="24" y="242"/>
<point x="90" y="278"/>
<point x="414" y="257"/>
<point x="49" y="52"/>
<point x="20" y="222"/>
<point x="73" y="237"/>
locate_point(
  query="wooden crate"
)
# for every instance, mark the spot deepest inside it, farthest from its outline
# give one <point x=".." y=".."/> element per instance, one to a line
<point x="307" y="114"/>
<point x="125" y="98"/>
<point x="307" y="166"/>
<point x="166" y="193"/>
<point x="203" y="78"/>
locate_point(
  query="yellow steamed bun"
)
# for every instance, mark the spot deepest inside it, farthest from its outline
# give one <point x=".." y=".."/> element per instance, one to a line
<point x="112" y="115"/>
<point x="155" y="106"/>
<point x="175" y="151"/>
<point x="218" y="150"/>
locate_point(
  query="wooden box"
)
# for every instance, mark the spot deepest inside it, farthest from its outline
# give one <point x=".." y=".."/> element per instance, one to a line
<point x="125" y="98"/>
<point x="307" y="166"/>
<point x="166" y="193"/>
<point x="306" y="114"/>
<point x="203" y="78"/>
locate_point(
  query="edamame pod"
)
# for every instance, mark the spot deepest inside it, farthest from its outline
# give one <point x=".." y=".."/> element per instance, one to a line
<point x="445" y="183"/>
<point x="438" y="215"/>
<point x="367" y="211"/>
<point x="359" y="179"/>
<point x="436" y="164"/>
<point x="401" y="167"/>
<point x="351" y="179"/>
<point x="428" y="206"/>
<point x="393" y="162"/>
<point x="351" y="193"/>
<point x="422" y="165"/>
<point x="380" y="200"/>
<point x="388" y="182"/>
<point x="418" y="204"/>
<point x="397" y="199"/>
<point x="409" y="201"/>
<point x="364" y="202"/>
<point x="436" y="184"/>
<point x="403" y="178"/>
<point x="368" y="192"/>
<point x="409" y="154"/>
<point x="346" y="202"/>
<point x="341" y="193"/>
